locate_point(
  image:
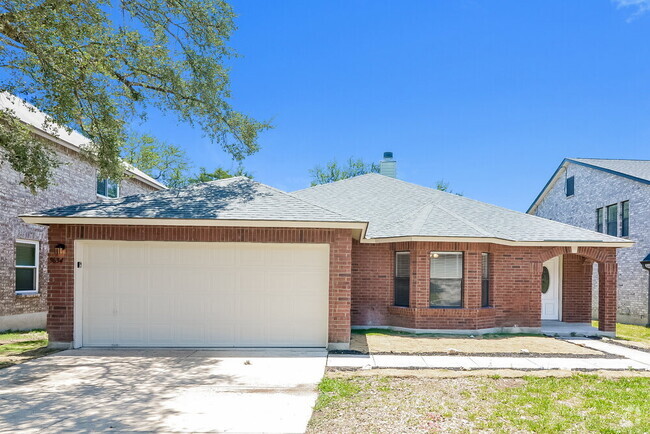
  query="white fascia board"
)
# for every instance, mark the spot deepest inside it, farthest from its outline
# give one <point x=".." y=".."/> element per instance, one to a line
<point x="361" y="226"/>
<point x="501" y="241"/>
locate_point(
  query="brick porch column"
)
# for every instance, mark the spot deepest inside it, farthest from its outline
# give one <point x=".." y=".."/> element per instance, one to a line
<point x="340" y="296"/>
<point x="607" y="296"/>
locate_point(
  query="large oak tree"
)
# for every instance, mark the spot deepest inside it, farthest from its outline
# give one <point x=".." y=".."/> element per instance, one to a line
<point x="100" y="65"/>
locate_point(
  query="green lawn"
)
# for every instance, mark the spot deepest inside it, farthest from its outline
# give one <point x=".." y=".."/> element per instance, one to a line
<point x="577" y="403"/>
<point x="16" y="347"/>
<point x="631" y="332"/>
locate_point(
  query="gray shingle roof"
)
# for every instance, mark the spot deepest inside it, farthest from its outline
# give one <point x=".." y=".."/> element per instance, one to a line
<point x="396" y="208"/>
<point x="639" y="169"/>
<point x="228" y="199"/>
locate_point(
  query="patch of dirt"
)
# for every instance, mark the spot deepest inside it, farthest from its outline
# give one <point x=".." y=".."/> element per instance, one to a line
<point x="400" y="405"/>
<point x="524" y="346"/>
<point x="425" y="401"/>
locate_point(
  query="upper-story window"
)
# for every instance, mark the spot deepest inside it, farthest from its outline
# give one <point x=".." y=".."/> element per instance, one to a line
<point x="26" y="266"/>
<point x="612" y="220"/>
<point x="446" y="279"/>
<point x="599" y="220"/>
<point x="625" y="219"/>
<point x="570" y="184"/>
<point x="107" y="188"/>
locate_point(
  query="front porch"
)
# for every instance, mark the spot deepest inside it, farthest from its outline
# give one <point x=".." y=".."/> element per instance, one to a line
<point x="566" y="329"/>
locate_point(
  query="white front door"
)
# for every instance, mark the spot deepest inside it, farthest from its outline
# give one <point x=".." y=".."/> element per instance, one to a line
<point x="551" y="284"/>
<point x="177" y="294"/>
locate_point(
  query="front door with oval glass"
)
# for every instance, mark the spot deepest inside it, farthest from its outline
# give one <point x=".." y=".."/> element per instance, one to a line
<point x="551" y="284"/>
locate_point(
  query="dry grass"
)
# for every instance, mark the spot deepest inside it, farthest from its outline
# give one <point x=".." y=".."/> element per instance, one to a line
<point x="378" y="403"/>
<point x="382" y="343"/>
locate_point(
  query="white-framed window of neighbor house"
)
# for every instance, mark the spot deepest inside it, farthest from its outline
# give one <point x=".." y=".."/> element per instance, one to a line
<point x="26" y="261"/>
<point x="108" y="188"/>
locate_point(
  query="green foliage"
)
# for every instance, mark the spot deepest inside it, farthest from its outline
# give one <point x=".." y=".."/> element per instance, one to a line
<point x="97" y="66"/>
<point x="332" y="389"/>
<point x="170" y="164"/>
<point x="334" y="172"/>
<point x="443" y="185"/>
<point x="218" y="173"/>
<point x="163" y="162"/>
<point x="581" y="403"/>
<point x="629" y="332"/>
<point x="25" y="153"/>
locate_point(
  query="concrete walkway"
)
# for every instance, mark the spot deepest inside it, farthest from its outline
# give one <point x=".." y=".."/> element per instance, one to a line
<point x="162" y="390"/>
<point x="634" y="359"/>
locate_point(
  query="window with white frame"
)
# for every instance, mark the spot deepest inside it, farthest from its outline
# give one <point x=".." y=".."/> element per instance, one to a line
<point x="108" y="188"/>
<point x="26" y="266"/>
<point x="446" y="279"/>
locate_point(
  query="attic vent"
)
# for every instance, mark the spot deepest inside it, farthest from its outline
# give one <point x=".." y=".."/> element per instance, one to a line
<point x="388" y="166"/>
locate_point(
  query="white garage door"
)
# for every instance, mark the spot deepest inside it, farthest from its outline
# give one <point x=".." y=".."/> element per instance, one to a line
<point x="162" y="294"/>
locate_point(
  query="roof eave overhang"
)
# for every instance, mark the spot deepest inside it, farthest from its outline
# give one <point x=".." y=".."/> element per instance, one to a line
<point x="500" y="241"/>
<point x="358" y="227"/>
<point x="77" y="149"/>
<point x="549" y="184"/>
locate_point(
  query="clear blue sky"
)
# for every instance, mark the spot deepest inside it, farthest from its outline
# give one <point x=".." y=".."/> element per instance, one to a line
<point x="489" y="95"/>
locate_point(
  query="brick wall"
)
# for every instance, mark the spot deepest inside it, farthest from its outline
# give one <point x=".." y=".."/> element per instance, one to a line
<point x="61" y="291"/>
<point x="73" y="182"/>
<point x="576" y="288"/>
<point x="515" y="296"/>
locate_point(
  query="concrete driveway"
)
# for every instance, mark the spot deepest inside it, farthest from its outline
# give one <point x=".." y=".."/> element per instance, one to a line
<point x="162" y="390"/>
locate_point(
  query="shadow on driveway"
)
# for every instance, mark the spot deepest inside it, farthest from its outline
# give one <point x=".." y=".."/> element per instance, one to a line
<point x="162" y="390"/>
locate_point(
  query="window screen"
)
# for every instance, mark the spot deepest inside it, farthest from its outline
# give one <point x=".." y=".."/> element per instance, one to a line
<point x="485" y="280"/>
<point x="612" y="222"/>
<point x="402" y="278"/>
<point x="446" y="279"/>
<point x="599" y="220"/>
<point x="625" y="219"/>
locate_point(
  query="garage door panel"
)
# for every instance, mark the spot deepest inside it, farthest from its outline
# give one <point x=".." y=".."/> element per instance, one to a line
<point x="131" y="255"/>
<point x="205" y="294"/>
<point x="100" y="257"/>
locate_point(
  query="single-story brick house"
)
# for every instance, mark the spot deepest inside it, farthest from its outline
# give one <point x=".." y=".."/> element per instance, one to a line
<point x="235" y="263"/>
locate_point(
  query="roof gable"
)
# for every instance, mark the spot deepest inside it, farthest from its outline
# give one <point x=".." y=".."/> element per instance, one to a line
<point x="635" y="170"/>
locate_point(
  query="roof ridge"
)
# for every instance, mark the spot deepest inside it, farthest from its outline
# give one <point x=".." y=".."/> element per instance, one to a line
<point x="607" y="159"/>
<point x="299" y="198"/>
<point x="464" y="220"/>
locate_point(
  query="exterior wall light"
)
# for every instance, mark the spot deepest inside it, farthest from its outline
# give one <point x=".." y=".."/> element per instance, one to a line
<point x="646" y="263"/>
<point x="59" y="253"/>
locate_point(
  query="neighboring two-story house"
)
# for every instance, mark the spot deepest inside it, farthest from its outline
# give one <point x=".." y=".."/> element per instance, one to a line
<point x="24" y="247"/>
<point x="613" y="197"/>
